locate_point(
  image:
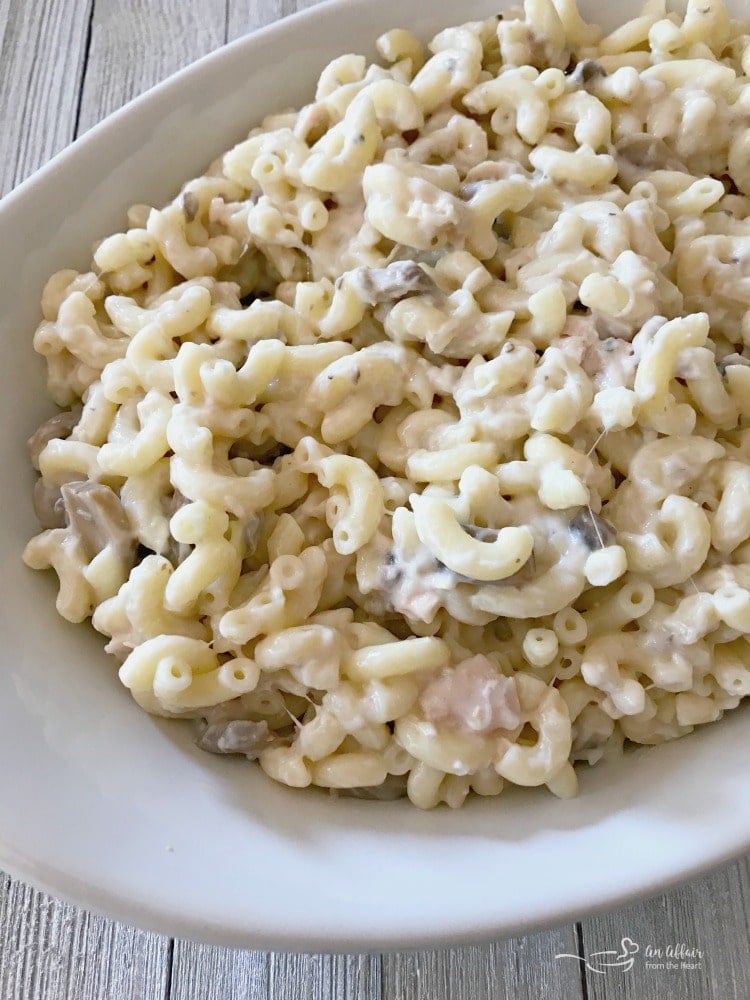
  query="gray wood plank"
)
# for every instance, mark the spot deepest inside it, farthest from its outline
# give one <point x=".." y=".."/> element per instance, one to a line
<point x="244" y="16"/>
<point x="137" y="44"/>
<point x="42" y="54"/>
<point x="53" y="951"/>
<point x="522" y="968"/>
<point x="4" y="29"/>
<point x="220" y="974"/>
<point x="710" y="915"/>
<point x="210" y="973"/>
<point x="324" y="977"/>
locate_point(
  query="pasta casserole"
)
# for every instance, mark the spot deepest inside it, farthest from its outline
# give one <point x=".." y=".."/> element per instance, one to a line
<point x="407" y="450"/>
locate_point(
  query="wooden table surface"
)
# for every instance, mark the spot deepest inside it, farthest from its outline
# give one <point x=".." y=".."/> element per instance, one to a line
<point x="65" y="64"/>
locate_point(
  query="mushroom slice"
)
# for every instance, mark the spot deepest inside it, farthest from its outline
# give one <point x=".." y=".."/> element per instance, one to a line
<point x="96" y="515"/>
<point x="59" y="426"/>
<point x="237" y="736"/>
<point x="48" y="505"/>
<point x="389" y="284"/>
<point x="648" y="152"/>
<point x="585" y="71"/>
<point x="394" y="787"/>
<point x="594" y="531"/>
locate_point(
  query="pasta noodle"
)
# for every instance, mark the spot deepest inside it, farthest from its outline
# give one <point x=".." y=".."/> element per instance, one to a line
<point x="407" y="449"/>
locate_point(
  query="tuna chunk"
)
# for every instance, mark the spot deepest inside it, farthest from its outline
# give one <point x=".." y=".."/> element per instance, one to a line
<point x="472" y="695"/>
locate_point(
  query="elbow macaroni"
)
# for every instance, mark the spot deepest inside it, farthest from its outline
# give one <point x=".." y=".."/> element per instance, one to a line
<point x="414" y="433"/>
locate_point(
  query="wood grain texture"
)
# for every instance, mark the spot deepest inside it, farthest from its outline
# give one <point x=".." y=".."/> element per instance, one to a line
<point x="42" y="56"/>
<point x="244" y="16"/>
<point x="66" y="64"/>
<point x="53" y="951"/>
<point x="220" y="974"/>
<point x="324" y="977"/>
<point x="136" y="44"/>
<point x="519" y="969"/>
<point x="710" y="914"/>
<point x="209" y="973"/>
